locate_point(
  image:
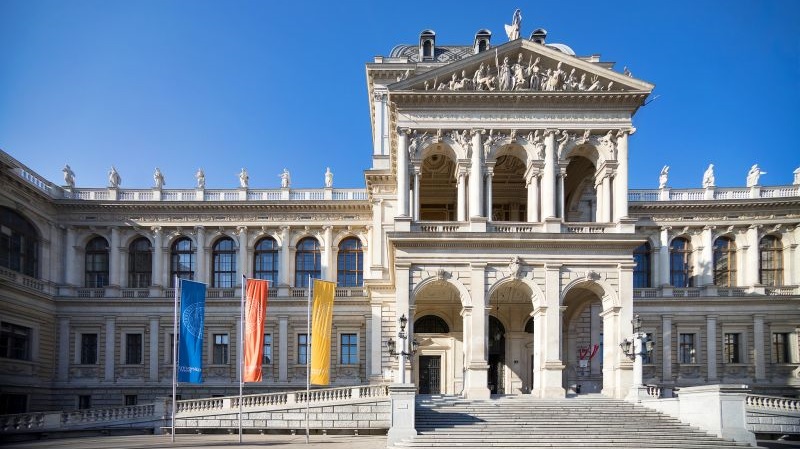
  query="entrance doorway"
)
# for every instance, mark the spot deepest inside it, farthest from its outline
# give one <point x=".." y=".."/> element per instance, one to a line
<point x="430" y="374"/>
<point x="497" y="356"/>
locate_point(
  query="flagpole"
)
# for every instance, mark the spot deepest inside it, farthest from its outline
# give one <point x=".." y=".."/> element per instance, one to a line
<point x="174" y="357"/>
<point x="308" y="354"/>
<point x="241" y="357"/>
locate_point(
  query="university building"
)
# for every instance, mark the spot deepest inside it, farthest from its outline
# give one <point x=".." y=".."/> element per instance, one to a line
<point x="496" y="219"/>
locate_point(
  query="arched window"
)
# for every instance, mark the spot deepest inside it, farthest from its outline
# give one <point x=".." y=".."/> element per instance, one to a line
<point x="529" y="326"/>
<point x="181" y="260"/>
<point x="427" y="50"/>
<point x="724" y="262"/>
<point x="771" y="261"/>
<point x="224" y="263"/>
<point x="350" y="263"/>
<point x="431" y="324"/>
<point x="265" y="260"/>
<point x="307" y="262"/>
<point x="140" y="263"/>
<point x="19" y="243"/>
<point x="97" y="263"/>
<point x="680" y="263"/>
<point x="642" y="272"/>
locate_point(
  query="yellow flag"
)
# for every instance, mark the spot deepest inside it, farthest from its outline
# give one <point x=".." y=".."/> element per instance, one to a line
<point x="321" y="325"/>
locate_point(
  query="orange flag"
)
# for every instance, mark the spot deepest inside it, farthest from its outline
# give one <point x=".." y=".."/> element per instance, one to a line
<point x="321" y="325"/>
<point x="254" y="316"/>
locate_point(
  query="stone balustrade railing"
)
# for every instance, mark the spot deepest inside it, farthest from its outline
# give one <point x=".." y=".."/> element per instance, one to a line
<point x="714" y="291"/>
<point x="773" y="403"/>
<point x="713" y="193"/>
<point x="99" y="418"/>
<point x="26" y="281"/>
<point x="293" y="399"/>
<point x="208" y="195"/>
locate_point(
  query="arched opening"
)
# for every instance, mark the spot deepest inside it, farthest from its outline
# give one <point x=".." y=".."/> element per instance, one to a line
<point x="509" y="193"/>
<point x="140" y="263"/>
<point x="223" y="257"/>
<point x="642" y="273"/>
<point x="97" y="263"/>
<point x="497" y="356"/>
<point x="580" y="196"/>
<point x="439" y="361"/>
<point x="437" y="186"/>
<point x="724" y="262"/>
<point x="181" y="260"/>
<point x="307" y="262"/>
<point x="510" y="346"/>
<point x="582" y="350"/>
<point x="266" y="260"/>
<point x="350" y="263"/>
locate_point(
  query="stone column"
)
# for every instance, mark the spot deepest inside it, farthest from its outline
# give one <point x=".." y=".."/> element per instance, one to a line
<point x="375" y="339"/>
<point x="379" y="140"/>
<point x="549" y="175"/>
<point x="532" y="183"/>
<point x="711" y="346"/>
<point x="200" y="274"/>
<point x="666" y="348"/>
<point x="461" y="213"/>
<point x="403" y="276"/>
<point x="475" y="178"/>
<point x="157" y="277"/>
<point x="402" y="173"/>
<point x="327" y="256"/>
<point x="114" y="259"/>
<point x="466" y="325"/>
<point x="621" y="179"/>
<point x="562" y="174"/>
<point x="417" y="174"/>
<point x="62" y="375"/>
<point x="663" y="258"/>
<point x="477" y="369"/>
<point x="752" y="264"/>
<point x="283" y="270"/>
<point x="244" y="267"/>
<point x="111" y="337"/>
<point x="759" y="348"/>
<point x="283" y="350"/>
<point x="72" y="265"/>
<point x="153" y="352"/>
<point x="375" y="241"/>
<point x="606" y="217"/>
<point x="489" y="199"/>
<point x="599" y="193"/>
<point x="706" y="257"/>
<point x="552" y="369"/>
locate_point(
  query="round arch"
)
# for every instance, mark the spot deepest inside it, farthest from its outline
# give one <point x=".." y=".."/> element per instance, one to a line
<point x="601" y="288"/>
<point x="537" y="296"/>
<point x="463" y="293"/>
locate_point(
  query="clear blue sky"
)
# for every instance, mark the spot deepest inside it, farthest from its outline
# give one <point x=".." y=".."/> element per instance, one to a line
<point x="265" y="85"/>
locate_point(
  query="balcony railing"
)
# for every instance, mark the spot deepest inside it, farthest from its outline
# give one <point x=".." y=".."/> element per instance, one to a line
<point x="711" y="194"/>
<point x="714" y="291"/>
<point x="202" y="195"/>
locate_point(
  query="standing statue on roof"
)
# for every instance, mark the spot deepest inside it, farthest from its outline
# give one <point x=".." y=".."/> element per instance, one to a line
<point x="516" y="22"/>
<point x="244" y="178"/>
<point x="201" y="178"/>
<point x="708" y="177"/>
<point x="69" y="176"/>
<point x="114" y="179"/>
<point x="328" y="177"/>
<point x="662" y="178"/>
<point x="753" y="175"/>
<point x="158" y="179"/>
<point x="285" y="179"/>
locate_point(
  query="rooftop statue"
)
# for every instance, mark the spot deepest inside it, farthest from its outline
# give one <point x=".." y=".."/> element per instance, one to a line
<point x="69" y="176"/>
<point x="708" y="177"/>
<point x="244" y="178"/>
<point x="285" y="179"/>
<point x="114" y="179"/>
<point x="516" y="22"/>
<point x="753" y="174"/>
<point x="328" y="177"/>
<point x="662" y="178"/>
<point x="201" y="178"/>
<point x="158" y="179"/>
<point x="796" y="176"/>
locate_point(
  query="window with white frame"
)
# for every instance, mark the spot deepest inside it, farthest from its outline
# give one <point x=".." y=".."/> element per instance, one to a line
<point x="220" y="351"/>
<point x="267" y="349"/>
<point x="133" y="349"/>
<point x="784" y="346"/>
<point x="687" y="349"/>
<point x="348" y="349"/>
<point x="732" y="347"/>
<point x="15" y="341"/>
<point x="302" y="348"/>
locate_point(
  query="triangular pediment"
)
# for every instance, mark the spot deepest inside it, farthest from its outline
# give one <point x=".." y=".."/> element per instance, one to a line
<point x="521" y="66"/>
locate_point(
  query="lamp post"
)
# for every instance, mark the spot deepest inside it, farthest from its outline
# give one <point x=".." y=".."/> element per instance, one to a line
<point x="405" y="350"/>
<point x="639" y="346"/>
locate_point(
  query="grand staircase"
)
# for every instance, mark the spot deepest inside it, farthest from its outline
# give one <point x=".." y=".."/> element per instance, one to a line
<point x="521" y="422"/>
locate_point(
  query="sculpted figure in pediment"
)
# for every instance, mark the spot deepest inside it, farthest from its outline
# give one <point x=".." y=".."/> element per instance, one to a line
<point x="533" y="73"/>
<point x="518" y="70"/>
<point x="563" y="141"/>
<point x="504" y="75"/>
<point x="482" y="80"/>
<point x="554" y="78"/>
<point x="416" y="142"/>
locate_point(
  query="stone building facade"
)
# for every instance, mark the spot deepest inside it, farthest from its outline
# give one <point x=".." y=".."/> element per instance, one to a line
<point x="496" y="217"/>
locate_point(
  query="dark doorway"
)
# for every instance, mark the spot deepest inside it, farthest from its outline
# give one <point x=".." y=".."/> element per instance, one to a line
<point x="430" y="374"/>
<point x="497" y="356"/>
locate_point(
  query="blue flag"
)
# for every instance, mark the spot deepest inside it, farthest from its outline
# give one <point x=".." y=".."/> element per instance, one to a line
<point x="190" y="343"/>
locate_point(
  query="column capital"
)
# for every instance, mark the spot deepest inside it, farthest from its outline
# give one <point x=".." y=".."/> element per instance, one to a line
<point x="156" y="230"/>
<point x="403" y="130"/>
<point x="478" y="131"/>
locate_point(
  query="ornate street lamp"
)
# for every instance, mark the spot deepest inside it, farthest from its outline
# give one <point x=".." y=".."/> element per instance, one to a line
<point x="639" y="346"/>
<point x="406" y="350"/>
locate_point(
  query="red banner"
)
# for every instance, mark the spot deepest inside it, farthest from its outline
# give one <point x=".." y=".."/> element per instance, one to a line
<point x="254" y="316"/>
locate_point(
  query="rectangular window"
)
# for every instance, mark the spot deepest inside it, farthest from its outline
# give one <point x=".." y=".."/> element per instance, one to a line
<point x="84" y="401"/>
<point x="686" y="349"/>
<point x="88" y="349"/>
<point x="302" y="348"/>
<point x="648" y="357"/>
<point x="731" y="348"/>
<point x="11" y="404"/>
<point x="133" y="349"/>
<point x="267" y="349"/>
<point x="221" y="346"/>
<point x="131" y="399"/>
<point x="348" y="349"/>
<point x="15" y="341"/>
<point x="780" y="348"/>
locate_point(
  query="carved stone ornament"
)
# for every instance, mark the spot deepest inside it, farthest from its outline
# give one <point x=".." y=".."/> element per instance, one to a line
<point x="441" y="274"/>
<point x="515" y="268"/>
<point x="592" y="275"/>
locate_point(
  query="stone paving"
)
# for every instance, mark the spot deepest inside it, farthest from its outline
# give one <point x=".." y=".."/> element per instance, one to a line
<point x="281" y="441"/>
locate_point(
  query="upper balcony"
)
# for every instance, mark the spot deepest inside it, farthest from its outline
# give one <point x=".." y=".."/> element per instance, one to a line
<point x="713" y="193"/>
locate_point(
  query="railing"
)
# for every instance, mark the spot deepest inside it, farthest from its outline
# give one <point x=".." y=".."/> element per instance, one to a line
<point x="24" y="280"/>
<point x="281" y="400"/>
<point x="588" y="228"/>
<point x="713" y="291"/>
<point x="715" y="193"/>
<point x="513" y="227"/>
<point x="40" y="183"/>
<point x="781" y="291"/>
<point x="135" y="293"/>
<point x="773" y="403"/>
<point x="439" y="226"/>
<point x="211" y="195"/>
<point x="82" y="419"/>
<point x="91" y="293"/>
